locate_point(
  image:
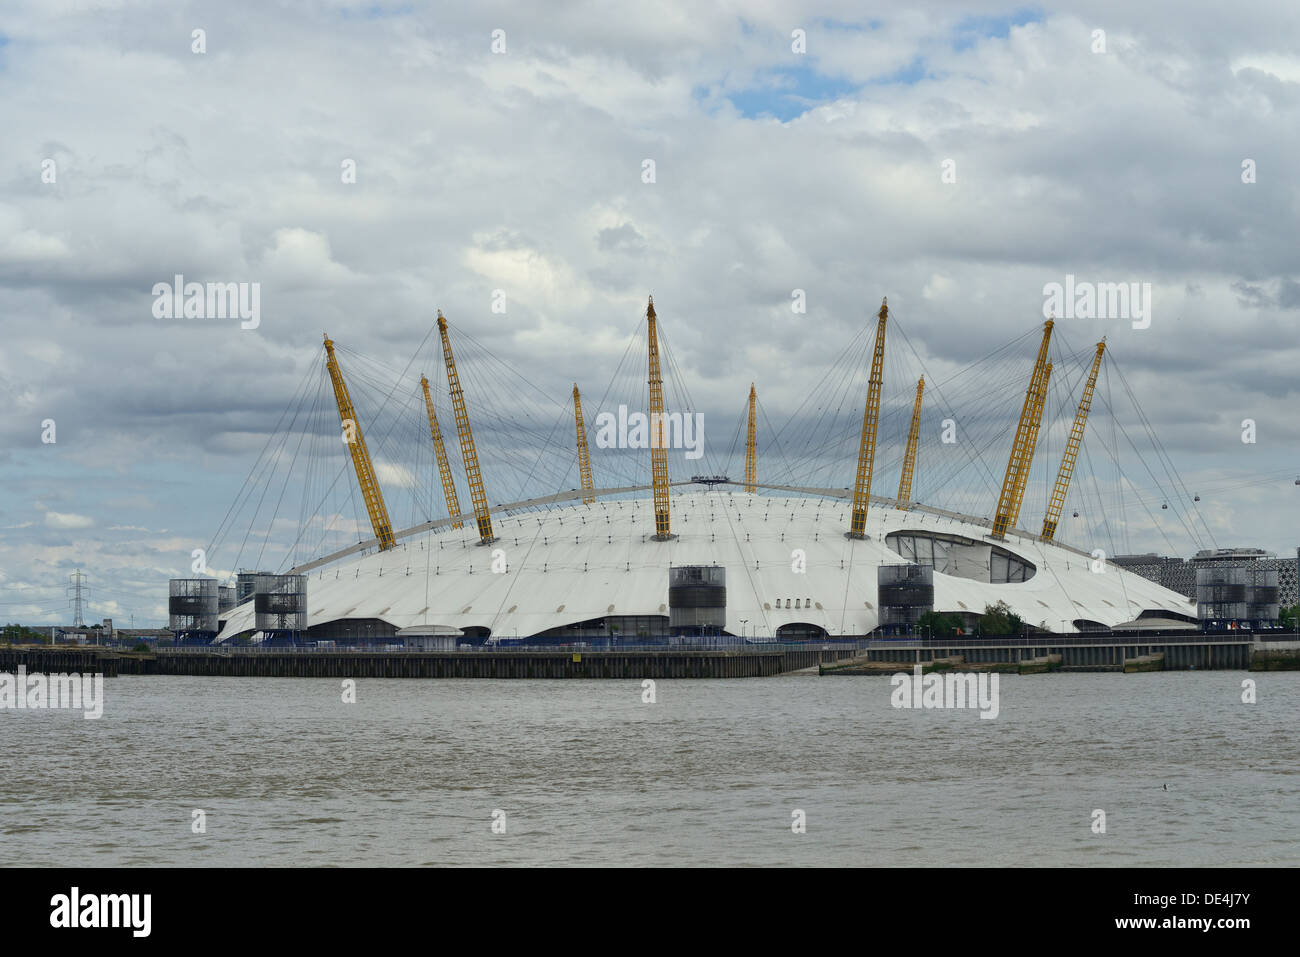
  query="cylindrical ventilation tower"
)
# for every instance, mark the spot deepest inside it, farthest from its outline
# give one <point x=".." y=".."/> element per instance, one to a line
<point x="192" y="608"/>
<point x="697" y="599"/>
<point x="1262" y="601"/>
<point x="1221" y="593"/>
<point x="280" y="606"/>
<point x="903" y="594"/>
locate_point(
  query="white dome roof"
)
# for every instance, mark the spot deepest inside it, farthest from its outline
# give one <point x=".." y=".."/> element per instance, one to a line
<point x="576" y="562"/>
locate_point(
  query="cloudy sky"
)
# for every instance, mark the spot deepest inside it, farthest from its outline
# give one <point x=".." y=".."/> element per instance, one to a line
<point x="954" y="157"/>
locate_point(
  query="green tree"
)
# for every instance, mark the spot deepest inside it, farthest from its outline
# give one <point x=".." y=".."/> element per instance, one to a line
<point x="932" y="623"/>
<point x="999" y="619"/>
<point x="1289" y="617"/>
<point x="20" y="634"/>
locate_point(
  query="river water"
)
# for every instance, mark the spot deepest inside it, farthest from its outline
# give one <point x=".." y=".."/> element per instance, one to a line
<point x="711" y="773"/>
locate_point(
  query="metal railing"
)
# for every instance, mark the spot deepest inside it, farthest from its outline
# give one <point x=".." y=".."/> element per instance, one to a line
<point x="1039" y="641"/>
<point x="729" y="648"/>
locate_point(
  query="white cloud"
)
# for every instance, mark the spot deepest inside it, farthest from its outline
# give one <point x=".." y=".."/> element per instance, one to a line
<point x="389" y="473"/>
<point x="1284" y="67"/>
<point x="478" y="172"/>
<point x="67" y="520"/>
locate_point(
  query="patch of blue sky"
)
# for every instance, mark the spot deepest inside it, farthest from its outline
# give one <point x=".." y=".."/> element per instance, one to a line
<point x="996" y="26"/>
<point x="913" y="73"/>
<point x="376" y="11"/>
<point x="831" y="24"/>
<point x="788" y="92"/>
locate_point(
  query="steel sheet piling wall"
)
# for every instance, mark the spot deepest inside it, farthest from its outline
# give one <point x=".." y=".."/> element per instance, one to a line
<point x="627" y="665"/>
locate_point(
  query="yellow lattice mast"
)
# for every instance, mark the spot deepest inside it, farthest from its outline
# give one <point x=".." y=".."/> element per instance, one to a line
<point x="467" y="451"/>
<point x="870" y="419"/>
<point x="444" y="468"/>
<point x="909" y="455"/>
<point x="1022" y="447"/>
<point x="584" y="452"/>
<point x="658" y="424"/>
<point x="751" y="445"/>
<point x="1071" y="455"/>
<point x="370" y="492"/>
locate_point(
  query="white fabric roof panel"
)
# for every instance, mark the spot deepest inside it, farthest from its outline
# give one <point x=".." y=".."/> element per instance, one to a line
<point x="571" y="563"/>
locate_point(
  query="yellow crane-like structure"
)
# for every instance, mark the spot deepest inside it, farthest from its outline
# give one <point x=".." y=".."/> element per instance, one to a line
<point x="870" y="419"/>
<point x="467" y="451"/>
<point x="751" y="445"/>
<point x="1022" y="447"/>
<point x="444" y="468"/>
<point x="1057" y="502"/>
<point x="658" y="423"/>
<point x="584" y="452"/>
<point x="356" y="442"/>
<point x="909" y="454"/>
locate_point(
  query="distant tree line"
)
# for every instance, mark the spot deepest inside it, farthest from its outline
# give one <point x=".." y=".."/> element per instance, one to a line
<point x="22" y="635"/>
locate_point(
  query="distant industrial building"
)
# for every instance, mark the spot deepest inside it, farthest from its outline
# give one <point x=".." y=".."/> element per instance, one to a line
<point x="1236" y="596"/>
<point x="1179" y="574"/>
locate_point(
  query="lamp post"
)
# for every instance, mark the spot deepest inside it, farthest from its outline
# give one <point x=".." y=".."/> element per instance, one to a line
<point x="743" y="622"/>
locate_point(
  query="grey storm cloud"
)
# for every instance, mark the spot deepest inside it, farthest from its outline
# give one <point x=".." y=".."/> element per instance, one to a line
<point x="522" y="173"/>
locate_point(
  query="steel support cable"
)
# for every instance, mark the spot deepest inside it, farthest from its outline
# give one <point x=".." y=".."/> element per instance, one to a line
<point x="826" y="434"/>
<point x="1114" y="455"/>
<point x="684" y="397"/>
<point x="500" y="424"/>
<point x="774" y="441"/>
<point x="360" y="377"/>
<point x="288" y="474"/>
<point x="221" y="528"/>
<point x="934" y="385"/>
<point x="741" y="424"/>
<point x="323" y="433"/>
<point x="1142" y="459"/>
<point x="1105" y="520"/>
<point x="310" y="479"/>
<point x="503" y="424"/>
<point x="343" y="470"/>
<point x="1084" y="449"/>
<point x="831" y="391"/>
<point x="1162" y="455"/>
<point x="262" y="467"/>
<point x="268" y="474"/>
<point x="1151" y="435"/>
<point x="402" y="432"/>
